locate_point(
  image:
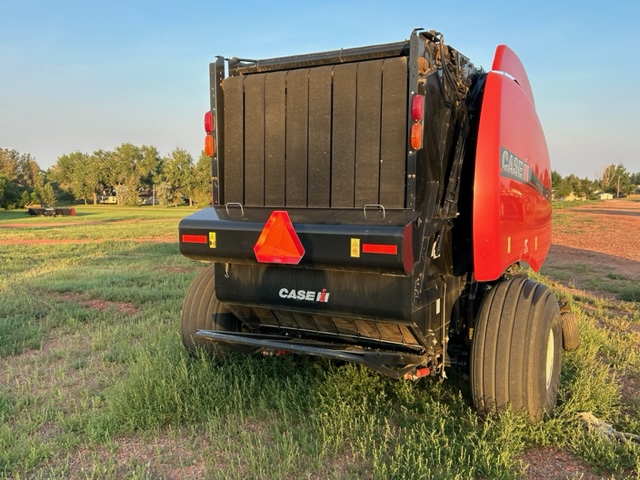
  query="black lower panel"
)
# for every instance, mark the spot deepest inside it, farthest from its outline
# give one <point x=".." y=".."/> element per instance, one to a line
<point x="344" y="293"/>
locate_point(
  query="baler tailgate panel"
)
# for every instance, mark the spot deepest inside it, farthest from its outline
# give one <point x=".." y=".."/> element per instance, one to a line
<point x="301" y="138"/>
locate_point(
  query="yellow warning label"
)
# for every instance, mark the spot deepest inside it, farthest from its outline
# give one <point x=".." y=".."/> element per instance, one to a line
<point x="212" y="239"/>
<point x="355" y="247"/>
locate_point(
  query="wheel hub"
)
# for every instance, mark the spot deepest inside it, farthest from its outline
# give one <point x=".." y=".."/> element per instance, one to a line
<point x="551" y="346"/>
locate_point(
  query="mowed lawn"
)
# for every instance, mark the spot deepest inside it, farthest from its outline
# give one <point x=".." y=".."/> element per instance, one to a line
<point x="95" y="383"/>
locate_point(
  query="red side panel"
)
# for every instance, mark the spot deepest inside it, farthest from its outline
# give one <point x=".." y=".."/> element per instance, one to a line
<point x="505" y="60"/>
<point x="512" y="185"/>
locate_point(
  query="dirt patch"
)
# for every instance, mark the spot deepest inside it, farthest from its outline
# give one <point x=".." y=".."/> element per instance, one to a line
<point x="611" y="228"/>
<point x="163" y="456"/>
<point x="75" y="224"/>
<point x="98" y="304"/>
<point x="567" y="255"/>
<point x="62" y="241"/>
<point x="553" y="464"/>
<point x="41" y="372"/>
<point x="595" y="248"/>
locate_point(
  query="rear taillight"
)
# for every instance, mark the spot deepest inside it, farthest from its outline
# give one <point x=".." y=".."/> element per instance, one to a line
<point x="417" y="108"/>
<point x="417" y="115"/>
<point x="209" y="128"/>
<point x="209" y="122"/>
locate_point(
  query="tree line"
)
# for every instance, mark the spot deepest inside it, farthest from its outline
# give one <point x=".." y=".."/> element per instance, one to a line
<point x="123" y="174"/>
<point x="613" y="179"/>
<point x="129" y="172"/>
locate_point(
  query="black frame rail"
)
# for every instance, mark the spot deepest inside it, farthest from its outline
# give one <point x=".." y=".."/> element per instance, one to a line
<point x="381" y="361"/>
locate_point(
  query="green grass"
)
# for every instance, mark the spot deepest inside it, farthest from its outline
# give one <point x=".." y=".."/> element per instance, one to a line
<point x="94" y="381"/>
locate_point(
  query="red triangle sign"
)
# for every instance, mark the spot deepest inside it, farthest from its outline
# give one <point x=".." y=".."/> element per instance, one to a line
<point x="279" y="242"/>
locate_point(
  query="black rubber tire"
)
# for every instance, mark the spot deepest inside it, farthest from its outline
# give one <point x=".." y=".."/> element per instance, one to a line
<point x="199" y="313"/>
<point x="516" y="354"/>
<point x="570" y="333"/>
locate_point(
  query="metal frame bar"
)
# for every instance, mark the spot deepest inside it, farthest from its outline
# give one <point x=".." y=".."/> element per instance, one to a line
<point x="239" y="66"/>
<point x="376" y="360"/>
<point x="216" y="76"/>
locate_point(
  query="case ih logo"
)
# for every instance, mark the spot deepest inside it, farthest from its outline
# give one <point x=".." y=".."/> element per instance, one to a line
<point x="513" y="167"/>
<point x="306" y="295"/>
<point x="517" y="169"/>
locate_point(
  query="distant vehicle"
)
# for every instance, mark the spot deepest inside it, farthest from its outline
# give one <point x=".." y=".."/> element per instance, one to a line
<point x="372" y="205"/>
<point x="37" y="210"/>
<point x="108" y="199"/>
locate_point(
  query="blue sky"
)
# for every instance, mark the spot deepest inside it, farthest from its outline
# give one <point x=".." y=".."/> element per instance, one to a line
<point x="85" y="75"/>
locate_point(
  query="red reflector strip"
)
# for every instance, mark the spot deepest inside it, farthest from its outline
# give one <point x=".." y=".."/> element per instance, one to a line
<point x="186" y="238"/>
<point x="379" y="248"/>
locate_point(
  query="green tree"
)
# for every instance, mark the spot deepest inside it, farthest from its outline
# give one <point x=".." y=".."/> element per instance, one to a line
<point x="164" y="195"/>
<point x="150" y="166"/>
<point x="73" y="173"/>
<point x="561" y="188"/>
<point x="9" y="163"/>
<point x="179" y="173"/>
<point x="202" y="181"/>
<point x="24" y="174"/>
<point x="9" y="195"/>
<point x="588" y="188"/>
<point x="135" y="168"/>
<point x="46" y="195"/>
<point x="125" y="162"/>
<point x="615" y="179"/>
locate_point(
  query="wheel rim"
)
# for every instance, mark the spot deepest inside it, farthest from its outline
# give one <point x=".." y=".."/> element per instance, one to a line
<point x="551" y="346"/>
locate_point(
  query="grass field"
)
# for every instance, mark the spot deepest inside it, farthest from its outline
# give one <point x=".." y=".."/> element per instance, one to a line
<point x="95" y="383"/>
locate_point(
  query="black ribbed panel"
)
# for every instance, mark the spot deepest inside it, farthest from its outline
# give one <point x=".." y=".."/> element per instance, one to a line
<point x="254" y="127"/>
<point x="319" y="189"/>
<point x="233" y="181"/>
<point x="274" y="128"/>
<point x="393" y="133"/>
<point x="329" y="136"/>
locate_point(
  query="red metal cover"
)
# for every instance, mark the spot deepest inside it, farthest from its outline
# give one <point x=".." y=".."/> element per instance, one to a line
<point x="512" y="184"/>
<point x="505" y="60"/>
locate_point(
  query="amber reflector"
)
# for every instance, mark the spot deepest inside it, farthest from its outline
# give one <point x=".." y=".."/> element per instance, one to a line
<point x="279" y="242"/>
<point x="209" y="145"/>
<point x="416" y="136"/>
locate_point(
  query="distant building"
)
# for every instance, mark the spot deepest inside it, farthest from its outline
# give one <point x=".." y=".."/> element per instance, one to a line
<point x="110" y="199"/>
<point x="573" y="197"/>
<point x="604" y="196"/>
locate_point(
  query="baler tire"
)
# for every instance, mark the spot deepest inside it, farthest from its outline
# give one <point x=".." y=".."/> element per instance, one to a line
<point x="570" y="333"/>
<point x="516" y="353"/>
<point x="199" y="312"/>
